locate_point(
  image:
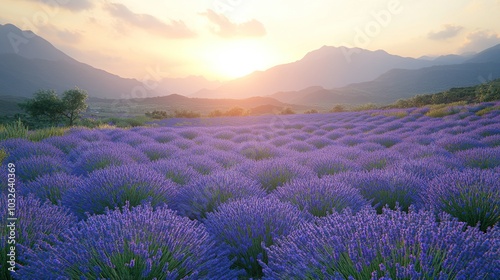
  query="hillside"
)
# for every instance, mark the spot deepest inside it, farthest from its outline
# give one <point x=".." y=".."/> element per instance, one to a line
<point x="173" y="102"/>
<point x="485" y="92"/>
<point x="36" y="64"/>
<point x="327" y="67"/>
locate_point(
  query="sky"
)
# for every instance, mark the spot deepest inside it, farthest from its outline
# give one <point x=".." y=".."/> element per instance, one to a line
<point x="225" y="39"/>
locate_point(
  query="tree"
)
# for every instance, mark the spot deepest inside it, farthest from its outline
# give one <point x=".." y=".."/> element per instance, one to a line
<point x="45" y="107"/>
<point x="73" y="101"/>
<point x="48" y="107"/>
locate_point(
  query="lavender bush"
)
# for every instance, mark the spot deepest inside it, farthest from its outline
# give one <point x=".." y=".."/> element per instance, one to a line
<point x="115" y="186"/>
<point x="35" y="222"/>
<point x="178" y="172"/>
<point x="207" y="193"/>
<point x="393" y="245"/>
<point x="246" y="227"/>
<point x="28" y="169"/>
<point x="472" y="196"/>
<point x="141" y="243"/>
<point x="275" y="172"/>
<point x="387" y="187"/>
<point x="321" y="197"/>
<point x="51" y="187"/>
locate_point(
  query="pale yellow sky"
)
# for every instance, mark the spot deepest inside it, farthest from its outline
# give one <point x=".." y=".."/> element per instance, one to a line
<point x="222" y="39"/>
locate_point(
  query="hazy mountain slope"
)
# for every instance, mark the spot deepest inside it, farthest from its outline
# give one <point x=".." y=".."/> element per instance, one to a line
<point x="327" y="67"/>
<point x="21" y="76"/>
<point x="26" y="44"/>
<point x="29" y="63"/>
<point x="398" y="83"/>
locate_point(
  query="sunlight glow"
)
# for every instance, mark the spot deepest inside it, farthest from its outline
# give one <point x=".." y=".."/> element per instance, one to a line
<point x="238" y="58"/>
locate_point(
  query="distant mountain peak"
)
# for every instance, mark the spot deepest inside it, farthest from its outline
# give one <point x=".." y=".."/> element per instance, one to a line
<point x="27" y="44"/>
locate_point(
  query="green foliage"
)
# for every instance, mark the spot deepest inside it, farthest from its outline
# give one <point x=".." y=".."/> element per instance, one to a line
<point x="481" y="93"/>
<point x="287" y="111"/>
<point x="487" y="110"/>
<point x="215" y="113"/>
<point x="186" y="114"/>
<point x="73" y="102"/>
<point x="235" y="112"/>
<point x="127" y="122"/>
<point x="40" y="134"/>
<point x="365" y="107"/>
<point x="13" y="130"/>
<point x="312" y="111"/>
<point x="441" y="110"/>
<point x="158" y="115"/>
<point x="48" y="109"/>
<point x="3" y="155"/>
<point x="338" y="109"/>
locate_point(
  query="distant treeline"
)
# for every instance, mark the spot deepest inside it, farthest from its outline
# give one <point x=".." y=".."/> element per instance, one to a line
<point x="481" y="93"/>
<point x="233" y="112"/>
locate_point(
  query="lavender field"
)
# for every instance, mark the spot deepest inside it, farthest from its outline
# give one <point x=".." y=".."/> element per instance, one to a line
<point x="383" y="194"/>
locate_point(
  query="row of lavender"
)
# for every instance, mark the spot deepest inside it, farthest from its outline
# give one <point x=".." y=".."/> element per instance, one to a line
<point x="370" y="194"/>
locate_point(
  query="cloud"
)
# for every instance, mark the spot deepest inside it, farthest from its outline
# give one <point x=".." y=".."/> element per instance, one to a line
<point x="72" y="5"/>
<point x="174" y="29"/>
<point x="480" y="40"/>
<point x="65" y="35"/>
<point x="449" y="31"/>
<point x="227" y="29"/>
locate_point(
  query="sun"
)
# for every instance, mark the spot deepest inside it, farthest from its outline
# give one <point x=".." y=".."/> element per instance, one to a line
<point x="238" y="58"/>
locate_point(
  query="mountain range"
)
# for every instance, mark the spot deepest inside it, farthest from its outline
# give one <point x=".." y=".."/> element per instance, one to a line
<point x="328" y="75"/>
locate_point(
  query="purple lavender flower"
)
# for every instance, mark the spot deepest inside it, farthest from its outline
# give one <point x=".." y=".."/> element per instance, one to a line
<point x="328" y="164"/>
<point x="115" y="186"/>
<point x="134" y="139"/>
<point x="321" y="196"/>
<point x="484" y="158"/>
<point x="319" y="142"/>
<point x="189" y="134"/>
<point x="226" y="159"/>
<point x="387" y="187"/>
<point x="225" y="135"/>
<point x="300" y="146"/>
<point x="471" y="195"/>
<point x="378" y="159"/>
<point x="155" y="151"/>
<point x="458" y="143"/>
<point x="202" y="164"/>
<point x="35" y="222"/>
<point x="132" y="244"/>
<point x="29" y="168"/>
<point x="182" y="143"/>
<point x="90" y="135"/>
<point x="65" y="143"/>
<point x="281" y="140"/>
<point x="275" y="172"/>
<point x="51" y="187"/>
<point x="387" y="141"/>
<point x="394" y="245"/>
<point x="164" y="136"/>
<point x="205" y="194"/>
<point x="177" y="171"/>
<point x="246" y="227"/>
<point x="491" y="141"/>
<point x="29" y="149"/>
<point x="259" y="151"/>
<point x="100" y="157"/>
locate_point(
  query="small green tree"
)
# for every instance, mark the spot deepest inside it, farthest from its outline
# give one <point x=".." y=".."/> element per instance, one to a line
<point x="45" y="107"/>
<point x="48" y="108"/>
<point x="73" y="101"/>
